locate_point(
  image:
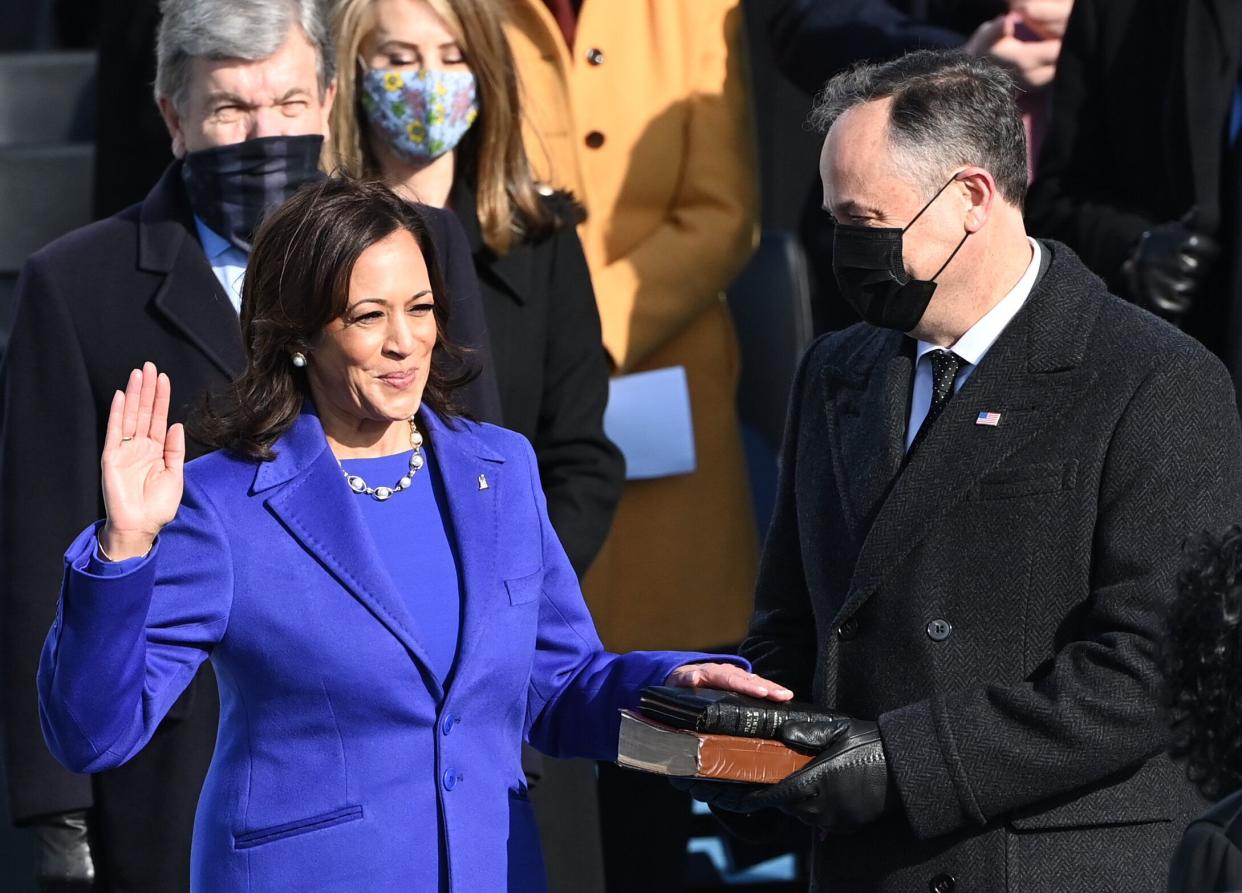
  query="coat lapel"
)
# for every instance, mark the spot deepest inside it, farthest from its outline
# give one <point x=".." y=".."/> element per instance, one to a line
<point x="1029" y="376"/>
<point x="508" y="273"/>
<point x="474" y="482"/>
<point x="869" y="395"/>
<point x="1211" y="31"/>
<point x="312" y="501"/>
<point x="190" y="297"/>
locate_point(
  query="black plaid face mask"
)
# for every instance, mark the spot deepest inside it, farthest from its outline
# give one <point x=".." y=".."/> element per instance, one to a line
<point x="232" y="187"/>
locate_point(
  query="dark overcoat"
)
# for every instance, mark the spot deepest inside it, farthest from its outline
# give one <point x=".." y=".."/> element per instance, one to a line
<point x="1138" y="136"/>
<point x="91" y="306"/>
<point x="997" y="604"/>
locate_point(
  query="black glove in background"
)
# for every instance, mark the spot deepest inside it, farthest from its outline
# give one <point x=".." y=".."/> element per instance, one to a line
<point x="844" y="788"/>
<point x="1168" y="267"/>
<point x="63" y="862"/>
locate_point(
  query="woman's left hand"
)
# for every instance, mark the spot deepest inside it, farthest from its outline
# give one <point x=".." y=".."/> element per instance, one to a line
<point x="727" y="677"/>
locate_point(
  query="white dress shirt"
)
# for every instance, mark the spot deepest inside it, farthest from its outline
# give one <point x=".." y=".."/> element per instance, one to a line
<point x="970" y="348"/>
<point x="227" y="261"/>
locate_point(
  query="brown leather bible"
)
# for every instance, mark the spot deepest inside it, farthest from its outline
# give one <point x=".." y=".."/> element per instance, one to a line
<point x="664" y="750"/>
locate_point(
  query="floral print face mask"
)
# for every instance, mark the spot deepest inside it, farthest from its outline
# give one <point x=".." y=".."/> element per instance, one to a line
<point x="422" y="114"/>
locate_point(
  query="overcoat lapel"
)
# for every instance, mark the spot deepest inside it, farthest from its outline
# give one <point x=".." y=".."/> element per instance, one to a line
<point x="312" y="501"/>
<point x="1209" y="47"/>
<point x="474" y="482"/>
<point x="1030" y="376"/>
<point x="190" y="297"/>
<point x="869" y="394"/>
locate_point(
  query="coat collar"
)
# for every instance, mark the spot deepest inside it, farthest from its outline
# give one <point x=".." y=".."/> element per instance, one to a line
<point x="305" y="489"/>
<point x="190" y="297"/>
<point x="1031" y="373"/>
<point x="509" y="273"/>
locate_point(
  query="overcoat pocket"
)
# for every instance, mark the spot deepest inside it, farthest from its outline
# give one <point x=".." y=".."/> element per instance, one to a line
<point x="524" y="590"/>
<point x="1027" y="480"/>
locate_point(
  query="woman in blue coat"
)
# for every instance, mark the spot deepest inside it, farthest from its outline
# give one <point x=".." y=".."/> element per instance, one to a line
<point x="373" y="578"/>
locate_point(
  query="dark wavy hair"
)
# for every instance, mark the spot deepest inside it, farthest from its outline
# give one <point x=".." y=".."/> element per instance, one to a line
<point x="297" y="281"/>
<point x="1203" y="662"/>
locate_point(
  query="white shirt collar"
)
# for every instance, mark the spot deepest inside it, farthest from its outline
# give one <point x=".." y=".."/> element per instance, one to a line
<point x="983" y="334"/>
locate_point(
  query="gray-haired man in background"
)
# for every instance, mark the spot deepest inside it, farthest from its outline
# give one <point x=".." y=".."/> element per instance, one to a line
<point x="245" y="87"/>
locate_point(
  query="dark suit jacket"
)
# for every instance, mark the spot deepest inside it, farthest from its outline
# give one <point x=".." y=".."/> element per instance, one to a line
<point x="1209" y="858"/>
<point x="1027" y="746"/>
<point x="814" y="39"/>
<point x="552" y="371"/>
<point x="1140" y="108"/>
<point x="91" y="306"/>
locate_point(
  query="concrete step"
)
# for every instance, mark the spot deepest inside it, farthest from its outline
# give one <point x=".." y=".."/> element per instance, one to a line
<point x="46" y="97"/>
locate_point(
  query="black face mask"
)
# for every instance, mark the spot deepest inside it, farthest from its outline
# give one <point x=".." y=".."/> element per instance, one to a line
<point x="232" y="187"/>
<point x="871" y="272"/>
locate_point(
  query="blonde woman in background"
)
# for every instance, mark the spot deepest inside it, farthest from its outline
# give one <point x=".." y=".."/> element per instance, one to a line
<point x="641" y="109"/>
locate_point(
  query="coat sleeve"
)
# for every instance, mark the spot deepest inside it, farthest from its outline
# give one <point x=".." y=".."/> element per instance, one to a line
<point x="1064" y="201"/>
<point x="576" y="687"/>
<point x="781" y="641"/>
<point x="1206" y="861"/>
<point x="125" y="645"/>
<point x="582" y="471"/>
<point x="49" y="489"/>
<point x="813" y="40"/>
<point x="966" y="757"/>
<point x="679" y="270"/>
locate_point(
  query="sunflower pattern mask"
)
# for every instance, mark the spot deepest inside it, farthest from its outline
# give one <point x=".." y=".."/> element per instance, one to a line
<point x="421" y="114"/>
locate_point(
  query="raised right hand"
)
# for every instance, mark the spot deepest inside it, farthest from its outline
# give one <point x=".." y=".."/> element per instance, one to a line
<point x="142" y="465"/>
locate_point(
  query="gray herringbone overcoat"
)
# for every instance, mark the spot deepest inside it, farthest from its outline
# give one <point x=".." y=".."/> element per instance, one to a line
<point x="997" y="604"/>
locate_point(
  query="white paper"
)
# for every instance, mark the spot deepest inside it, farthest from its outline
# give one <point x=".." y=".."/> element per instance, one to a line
<point x="648" y="418"/>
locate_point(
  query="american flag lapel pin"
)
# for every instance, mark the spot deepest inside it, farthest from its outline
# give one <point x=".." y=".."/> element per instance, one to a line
<point x="989" y="419"/>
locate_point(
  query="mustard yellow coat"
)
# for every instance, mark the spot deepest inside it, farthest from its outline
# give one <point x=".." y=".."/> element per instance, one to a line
<point x="647" y="122"/>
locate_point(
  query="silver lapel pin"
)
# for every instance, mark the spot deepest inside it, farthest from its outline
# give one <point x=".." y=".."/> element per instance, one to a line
<point x="482" y="482"/>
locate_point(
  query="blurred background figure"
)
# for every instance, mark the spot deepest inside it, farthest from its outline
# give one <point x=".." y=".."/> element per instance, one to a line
<point x="1141" y="170"/>
<point x="245" y="89"/>
<point x="428" y="101"/>
<point x="812" y="40"/>
<point x="1204" y="663"/>
<point x="641" y="110"/>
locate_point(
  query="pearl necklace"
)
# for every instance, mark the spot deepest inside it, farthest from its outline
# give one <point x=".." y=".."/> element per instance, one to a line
<point x="360" y="486"/>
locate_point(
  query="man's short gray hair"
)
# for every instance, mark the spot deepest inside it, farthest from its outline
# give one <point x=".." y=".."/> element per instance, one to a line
<point x="948" y="110"/>
<point x="234" y="29"/>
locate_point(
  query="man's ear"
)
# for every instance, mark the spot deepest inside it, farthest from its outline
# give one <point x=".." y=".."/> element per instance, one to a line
<point x="172" y="120"/>
<point x="980" y="192"/>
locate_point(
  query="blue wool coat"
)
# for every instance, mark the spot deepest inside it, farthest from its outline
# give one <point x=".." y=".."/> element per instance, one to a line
<point x="342" y="762"/>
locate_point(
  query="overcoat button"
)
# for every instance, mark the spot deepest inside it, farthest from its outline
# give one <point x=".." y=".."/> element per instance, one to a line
<point x="450" y="779"/>
<point x="942" y="883"/>
<point x="449" y="722"/>
<point x="939" y="630"/>
<point x="594" y="139"/>
<point x="847" y="630"/>
<point x="595" y="56"/>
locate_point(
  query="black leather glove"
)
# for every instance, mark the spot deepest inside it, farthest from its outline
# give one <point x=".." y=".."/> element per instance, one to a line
<point x="63" y="862"/>
<point x="845" y="787"/>
<point x="1168" y="267"/>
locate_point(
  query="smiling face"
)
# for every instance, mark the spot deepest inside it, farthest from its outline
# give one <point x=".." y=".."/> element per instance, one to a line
<point x="369" y="369"/>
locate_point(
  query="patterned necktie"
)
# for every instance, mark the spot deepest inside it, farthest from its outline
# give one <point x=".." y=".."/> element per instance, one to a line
<point x="944" y="365"/>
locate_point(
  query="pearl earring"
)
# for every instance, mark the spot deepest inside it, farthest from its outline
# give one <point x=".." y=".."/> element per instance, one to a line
<point x="299" y="360"/>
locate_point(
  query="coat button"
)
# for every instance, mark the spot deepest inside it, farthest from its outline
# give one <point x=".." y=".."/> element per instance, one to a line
<point x="595" y="56"/>
<point x="939" y="630"/>
<point x="942" y="883"/>
<point x="594" y="139"/>
<point x="450" y="779"/>
<point x="847" y="630"/>
<point x="449" y="722"/>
